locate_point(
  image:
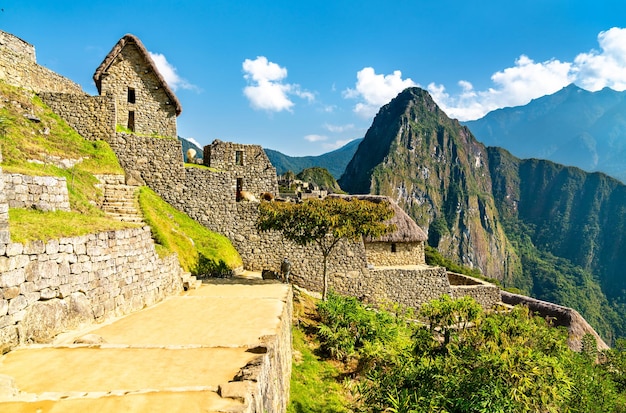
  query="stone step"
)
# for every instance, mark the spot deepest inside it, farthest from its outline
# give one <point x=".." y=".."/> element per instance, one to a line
<point x="190" y="282"/>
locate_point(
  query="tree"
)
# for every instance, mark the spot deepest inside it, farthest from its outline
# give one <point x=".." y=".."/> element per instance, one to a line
<point x="325" y="222"/>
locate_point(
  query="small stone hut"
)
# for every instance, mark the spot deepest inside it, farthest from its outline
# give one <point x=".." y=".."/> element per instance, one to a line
<point x="404" y="246"/>
<point x="248" y="164"/>
<point x="144" y="103"/>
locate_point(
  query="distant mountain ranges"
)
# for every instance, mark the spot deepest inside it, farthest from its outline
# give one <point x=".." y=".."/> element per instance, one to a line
<point x="572" y="127"/>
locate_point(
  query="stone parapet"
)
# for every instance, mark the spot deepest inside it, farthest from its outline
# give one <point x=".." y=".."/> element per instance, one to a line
<point x="47" y="287"/>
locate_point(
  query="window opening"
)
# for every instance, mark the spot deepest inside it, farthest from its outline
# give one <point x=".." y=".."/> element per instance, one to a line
<point x="239" y="188"/>
<point x="239" y="158"/>
<point x="131" y="120"/>
<point x="131" y="95"/>
<point x="393" y="247"/>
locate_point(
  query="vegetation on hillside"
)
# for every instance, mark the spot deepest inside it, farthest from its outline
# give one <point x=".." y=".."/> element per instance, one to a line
<point x="321" y="177"/>
<point x="32" y="136"/>
<point x="200" y="251"/>
<point x="462" y="359"/>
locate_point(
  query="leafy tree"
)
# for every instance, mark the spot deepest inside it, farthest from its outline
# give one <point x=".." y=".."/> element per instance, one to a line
<point x="325" y="222"/>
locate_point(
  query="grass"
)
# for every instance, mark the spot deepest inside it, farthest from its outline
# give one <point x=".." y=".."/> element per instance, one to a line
<point x="30" y="225"/>
<point x="24" y="141"/>
<point x="200" y="251"/>
<point x="315" y="383"/>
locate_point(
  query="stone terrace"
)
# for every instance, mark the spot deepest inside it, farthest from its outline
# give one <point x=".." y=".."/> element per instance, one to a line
<point x="225" y="347"/>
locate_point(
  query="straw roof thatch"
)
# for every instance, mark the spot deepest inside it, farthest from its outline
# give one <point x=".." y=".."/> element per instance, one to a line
<point x="117" y="49"/>
<point x="406" y="229"/>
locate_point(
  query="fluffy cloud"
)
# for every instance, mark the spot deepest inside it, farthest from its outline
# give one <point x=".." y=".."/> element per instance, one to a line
<point x="528" y="80"/>
<point x="607" y="68"/>
<point x="169" y="73"/>
<point x="266" y="90"/>
<point x="315" y="138"/>
<point x="374" y="90"/>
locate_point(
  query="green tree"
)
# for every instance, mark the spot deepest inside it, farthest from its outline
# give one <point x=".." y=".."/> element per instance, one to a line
<point x="325" y="222"/>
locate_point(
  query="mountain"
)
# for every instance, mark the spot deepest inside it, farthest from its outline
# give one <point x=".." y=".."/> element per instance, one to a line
<point x="573" y="127"/>
<point x="555" y="232"/>
<point x="320" y="177"/>
<point x="335" y="162"/>
<point x="189" y="145"/>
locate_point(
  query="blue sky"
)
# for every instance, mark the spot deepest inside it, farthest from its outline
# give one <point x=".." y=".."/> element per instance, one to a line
<point x="305" y="77"/>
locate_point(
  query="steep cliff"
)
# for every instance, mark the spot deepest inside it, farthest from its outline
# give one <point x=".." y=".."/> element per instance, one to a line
<point x="437" y="171"/>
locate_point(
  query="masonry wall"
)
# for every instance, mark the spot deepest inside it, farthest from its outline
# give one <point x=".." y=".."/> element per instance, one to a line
<point x="93" y="117"/>
<point x="18" y="67"/>
<point x="406" y="253"/>
<point x="153" y="111"/>
<point x="45" y="193"/>
<point x="48" y="287"/>
<point x="248" y="163"/>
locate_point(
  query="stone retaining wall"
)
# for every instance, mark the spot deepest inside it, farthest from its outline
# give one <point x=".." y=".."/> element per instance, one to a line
<point x="485" y="294"/>
<point x="45" y="193"/>
<point x="18" y="67"/>
<point x="93" y="117"/>
<point x="48" y="287"/>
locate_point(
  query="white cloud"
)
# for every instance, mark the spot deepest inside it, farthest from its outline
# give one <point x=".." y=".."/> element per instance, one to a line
<point x="528" y="80"/>
<point x="596" y="70"/>
<point x="195" y="142"/>
<point x="315" y="138"/>
<point x="338" y="128"/>
<point x="169" y="73"/>
<point x="266" y="90"/>
<point x="374" y="90"/>
<point x="331" y="146"/>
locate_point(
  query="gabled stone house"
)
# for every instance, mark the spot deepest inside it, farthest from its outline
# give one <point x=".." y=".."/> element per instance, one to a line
<point x="144" y="103"/>
<point x="403" y="246"/>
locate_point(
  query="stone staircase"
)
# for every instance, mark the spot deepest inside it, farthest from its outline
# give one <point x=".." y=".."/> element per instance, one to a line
<point x="120" y="200"/>
<point x="190" y="282"/>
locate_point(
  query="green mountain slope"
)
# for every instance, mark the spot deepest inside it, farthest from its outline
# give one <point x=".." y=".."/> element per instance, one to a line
<point x="555" y="232"/>
<point x="335" y="162"/>
<point x="321" y="177"/>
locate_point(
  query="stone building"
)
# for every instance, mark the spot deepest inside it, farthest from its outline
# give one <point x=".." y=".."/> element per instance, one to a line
<point x="403" y="246"/>
<point x="144" y="103"/>
<point x="250" y="167"/>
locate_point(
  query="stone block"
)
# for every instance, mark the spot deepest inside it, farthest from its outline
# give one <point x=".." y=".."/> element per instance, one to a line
<point x="14" y="249"/>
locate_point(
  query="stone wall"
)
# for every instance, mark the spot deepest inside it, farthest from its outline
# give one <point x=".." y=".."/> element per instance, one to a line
<point x="485" y="294"/>
<point x="93" y="117"/>
<point x="157" y="162"/>
<point x="248" y="164"/>
<point x="47" y="287"/>
<point x="264" y="383"/>
<point x="151" y="107"/>
<point x="399" y="253"/>
<point x="5" y="236"/>
<point x="19" y="68"/>
<point x="17" y="46"/>
<point x="45" y="193"/>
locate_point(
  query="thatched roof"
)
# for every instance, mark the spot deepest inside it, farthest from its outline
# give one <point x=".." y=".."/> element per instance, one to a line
<point x="406" y="229"/>
<point x="117" y="49"/>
